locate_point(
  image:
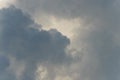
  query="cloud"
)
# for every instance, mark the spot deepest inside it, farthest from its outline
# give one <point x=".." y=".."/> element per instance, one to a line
<point x="101" y="61"/>
<point x="66" y="8"/>
<point x="100" y="38"/>
<point x="26" y="41"/>
<point x="21" y="39"/>
<point x="5" y="74"/>
<point x="102" y="57"/>
<point x="4" y="63"/>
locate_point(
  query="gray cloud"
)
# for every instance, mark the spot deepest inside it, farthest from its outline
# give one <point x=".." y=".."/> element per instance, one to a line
<point x="4" y="63"/>
<point x="103" y="51"/>
<point x="66" y="8"/>
<point x="4" y="66"/>
<point x="101" y="58"/>
<point x="21" y="39"/>
<point x="101" y="61"/>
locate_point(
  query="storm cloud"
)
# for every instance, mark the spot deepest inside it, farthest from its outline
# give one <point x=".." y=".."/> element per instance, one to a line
<point x="21" y="38"/>
<point x="100" y="36"/>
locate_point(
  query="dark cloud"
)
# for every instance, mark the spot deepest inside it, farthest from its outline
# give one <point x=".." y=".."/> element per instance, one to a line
<point x="21" y="39"/>
<point x="101" y="37"/>
<point x="5" y="74"/>
<point x="4" y="63"/>
<point x="101" y="58"/>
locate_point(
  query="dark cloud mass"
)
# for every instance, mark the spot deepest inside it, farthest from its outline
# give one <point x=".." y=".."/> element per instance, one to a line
<point x="102" y="18"/>
<point x="4" y="63"/>
<point x="21" y="39"/>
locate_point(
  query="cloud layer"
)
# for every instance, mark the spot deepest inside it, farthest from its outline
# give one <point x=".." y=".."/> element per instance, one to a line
<point x="99" y="40"/>
<point x="21" y="38"/>
<point x="66" y="8"/>
<point x="100" y="35"/>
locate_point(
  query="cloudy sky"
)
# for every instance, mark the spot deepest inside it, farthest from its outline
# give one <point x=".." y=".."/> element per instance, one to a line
<point x="59" y="40"/>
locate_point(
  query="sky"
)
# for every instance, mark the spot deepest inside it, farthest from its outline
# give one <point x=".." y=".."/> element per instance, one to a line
<point x="59" y="40"/>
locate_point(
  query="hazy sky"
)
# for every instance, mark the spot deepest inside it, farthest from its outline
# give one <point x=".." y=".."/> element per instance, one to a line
<point x="59" y="40"/>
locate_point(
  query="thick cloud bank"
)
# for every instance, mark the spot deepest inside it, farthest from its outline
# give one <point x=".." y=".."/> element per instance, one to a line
<point x="101" y="32"/>
<point x="99" y="40"/>
<point x="21" y="39"/>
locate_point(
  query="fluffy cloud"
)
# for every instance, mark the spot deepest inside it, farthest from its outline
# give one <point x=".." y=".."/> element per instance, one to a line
<point x="24" y="40"/>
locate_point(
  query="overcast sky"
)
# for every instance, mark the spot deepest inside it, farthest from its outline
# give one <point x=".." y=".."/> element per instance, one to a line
<point x="59" y="40"/>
